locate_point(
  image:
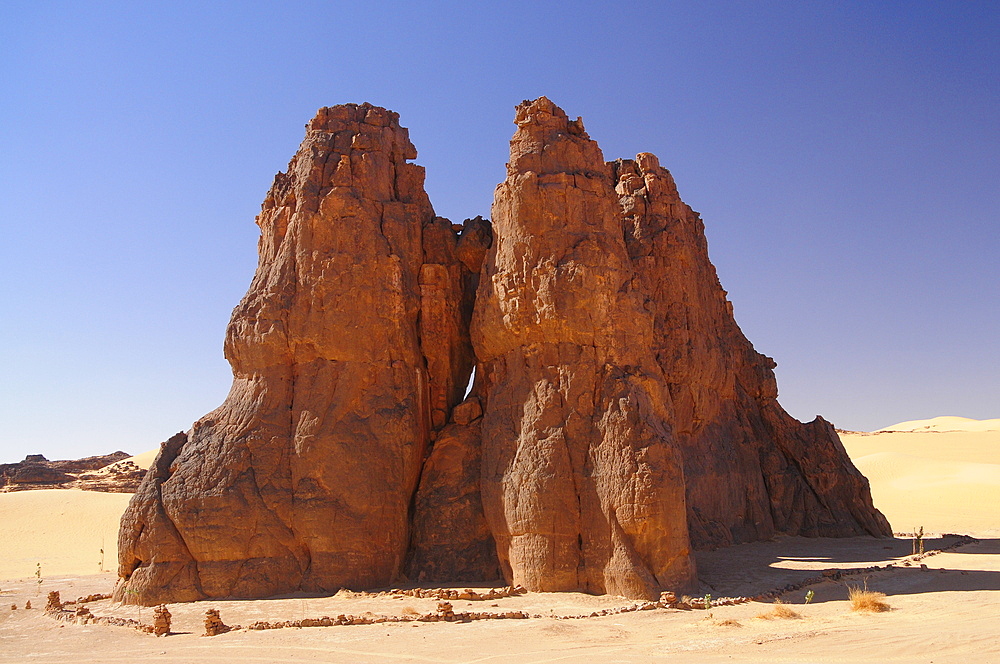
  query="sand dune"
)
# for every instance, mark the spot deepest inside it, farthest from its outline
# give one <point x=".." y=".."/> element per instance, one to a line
<point x="942" y="473"/>
<point x="144" y="460"/>
<point x="946" y="423"/>
<point x="63" y="529"/>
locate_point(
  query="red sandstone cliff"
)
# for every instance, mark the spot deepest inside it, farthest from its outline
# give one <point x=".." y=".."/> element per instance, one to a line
<point x="751" y="470"/>
<point x="581" y="480"/>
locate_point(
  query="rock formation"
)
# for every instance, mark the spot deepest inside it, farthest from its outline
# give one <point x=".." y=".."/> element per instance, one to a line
<point x="110" y="473"/>
<point x="751" y="471"/>
<point x="348" y="351"/>
<point x="581" y="480"/>
<point x="618" y="414"/>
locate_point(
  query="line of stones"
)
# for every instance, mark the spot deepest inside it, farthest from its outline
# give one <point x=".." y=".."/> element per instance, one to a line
<point x="445" y="611"/>
<point x="445" y="593"/>
<point x="81" y="615"/>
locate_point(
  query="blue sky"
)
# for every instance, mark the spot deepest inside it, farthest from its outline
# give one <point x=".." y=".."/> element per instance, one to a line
<point x="843" y="155"/>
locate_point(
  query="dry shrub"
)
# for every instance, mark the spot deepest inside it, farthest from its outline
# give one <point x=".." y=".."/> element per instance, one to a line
<point x="863" y="599"/>
<point x="409" y="611"/>
<point x="729" y="623"/>
<point x="780" y="610"/>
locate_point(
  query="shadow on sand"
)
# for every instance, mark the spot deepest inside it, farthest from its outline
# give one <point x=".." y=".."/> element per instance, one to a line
<point x="752" y="569"/>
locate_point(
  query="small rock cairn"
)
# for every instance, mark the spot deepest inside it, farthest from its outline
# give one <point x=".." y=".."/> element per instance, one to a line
<point x="53" y="603"/>
<point x="161" y="620"/>
<point x="213" y="623"/>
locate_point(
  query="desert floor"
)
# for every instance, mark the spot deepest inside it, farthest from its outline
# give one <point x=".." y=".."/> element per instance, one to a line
<point x="944" y="475"/>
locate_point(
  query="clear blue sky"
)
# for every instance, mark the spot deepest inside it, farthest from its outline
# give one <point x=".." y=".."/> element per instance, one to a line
<point x="843" y="155"/>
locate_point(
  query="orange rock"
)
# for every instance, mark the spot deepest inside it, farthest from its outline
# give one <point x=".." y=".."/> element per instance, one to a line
<point x="618" y="416"/>
<point x="348" y="351"/>
<point x="751" y="471"/>
<point x="582" y="483"/>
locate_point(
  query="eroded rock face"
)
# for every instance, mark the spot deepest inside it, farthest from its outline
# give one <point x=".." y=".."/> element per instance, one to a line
<point x="618" y="414"/>
<point x="303" y="478"/>
<point x="582" y="483"/>
<point x="751" y="470"/>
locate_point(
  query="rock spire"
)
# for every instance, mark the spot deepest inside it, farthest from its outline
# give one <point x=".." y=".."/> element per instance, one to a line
<point x="348" y="352"/>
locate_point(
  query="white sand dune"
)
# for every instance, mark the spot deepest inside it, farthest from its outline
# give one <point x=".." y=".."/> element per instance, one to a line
<point x="946" y="423"/>
<point x="942" y="473"/>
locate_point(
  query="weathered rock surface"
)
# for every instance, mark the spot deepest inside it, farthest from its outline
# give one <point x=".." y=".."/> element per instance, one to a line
<point x="751" y="470"/>
<point x="618" y="415"/>
<point x="303" y="478"/>
<point x="451" y="539"/>
<point x="111" y="473"/>
<point x="582" y="483"/>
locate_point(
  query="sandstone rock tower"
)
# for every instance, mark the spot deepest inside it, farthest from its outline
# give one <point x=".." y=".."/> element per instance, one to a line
<point x="618" y="416"/>
<point x="349" y="349"/>
<point x="581" y="480"/>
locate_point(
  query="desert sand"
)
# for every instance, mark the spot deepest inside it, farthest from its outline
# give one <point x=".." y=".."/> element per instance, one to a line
<point x="942" y="474"/>
<point x="64" y="530"/>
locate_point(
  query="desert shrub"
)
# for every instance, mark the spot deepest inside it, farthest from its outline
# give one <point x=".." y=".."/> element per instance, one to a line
<point x="780" y="610"/>
<point x="866" y="600"/>
<point x="729" y="623"/>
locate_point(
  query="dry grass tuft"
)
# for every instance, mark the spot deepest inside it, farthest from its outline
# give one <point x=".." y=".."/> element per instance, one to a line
<point x="409" y="611"/>
<point x="780" y="610"/>
<point x="863" y="599"/>
<point x="729" y="623"/>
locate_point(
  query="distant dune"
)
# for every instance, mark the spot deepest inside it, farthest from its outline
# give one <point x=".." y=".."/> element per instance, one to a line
<point x="942" y="473"/>
<point x="144" y="460"/>
<point x="946" y="423"/>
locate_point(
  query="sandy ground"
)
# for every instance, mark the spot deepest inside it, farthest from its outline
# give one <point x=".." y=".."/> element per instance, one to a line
<point x="63" y="529"/>
<point x="942" y="475"/>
